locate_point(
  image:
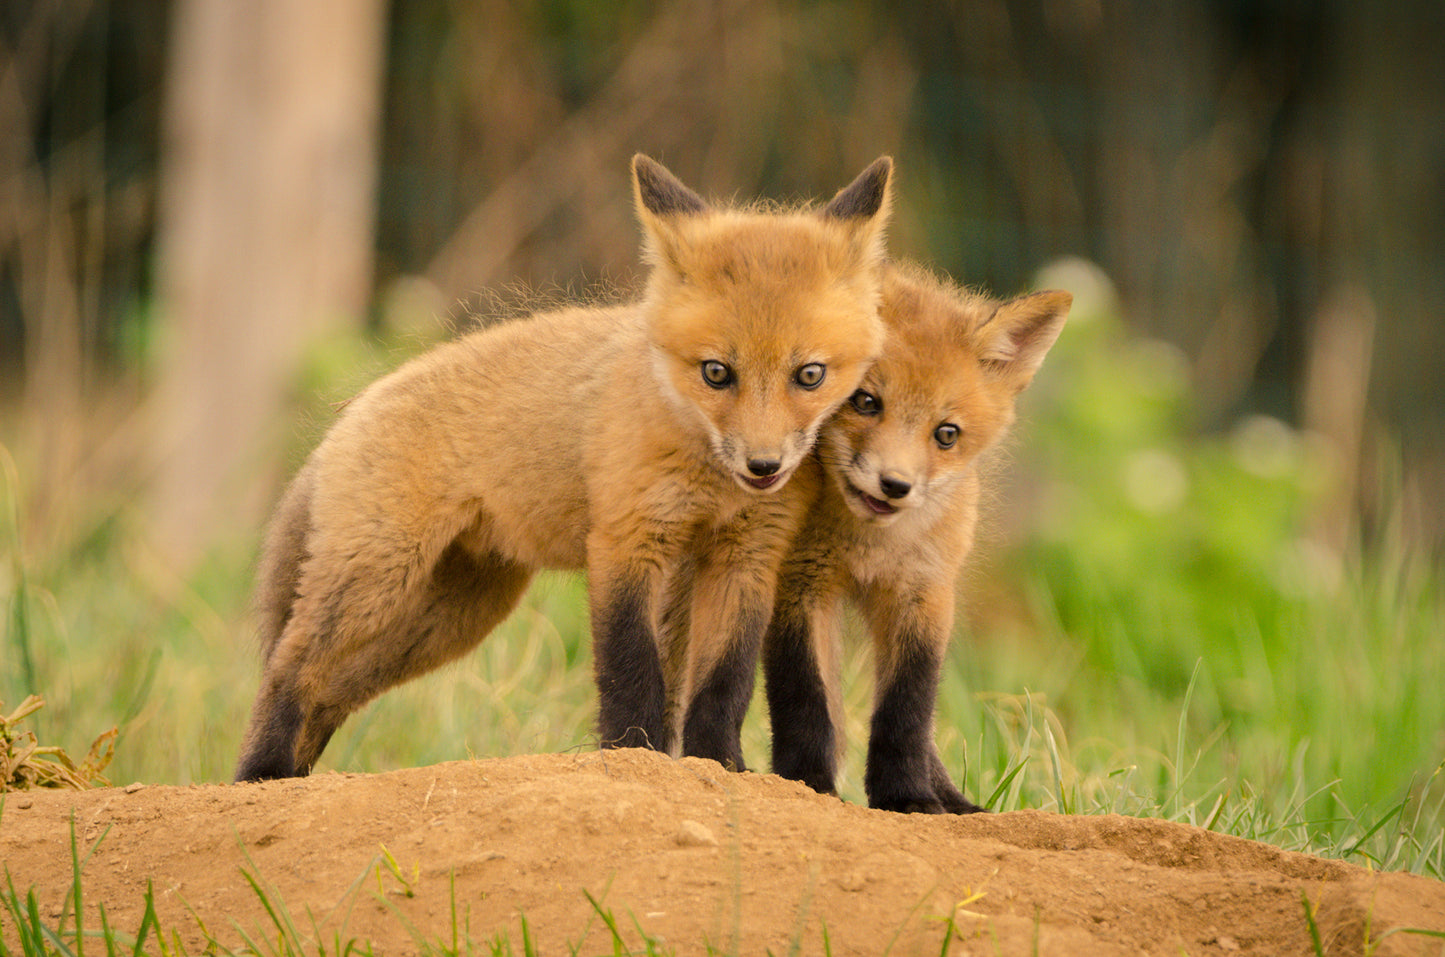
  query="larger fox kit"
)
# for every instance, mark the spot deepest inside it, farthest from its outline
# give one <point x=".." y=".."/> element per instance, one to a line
<point x="892" y="528"/>
<point x="627" y="441"/>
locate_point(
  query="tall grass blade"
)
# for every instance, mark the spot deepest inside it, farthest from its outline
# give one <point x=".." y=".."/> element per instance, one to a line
<point x="619" y="948"/>
<point x="75" y="889"/>
<point x="947" y="936"/>
<point x="148" y="923"/>
<point x="1056" y="765"/>
<point x="143" y="690"/>
<point x="19" y="602"/>
<point x="1398" y="811"/>
<point x="285" y="930"/>
<point x="1003" y="785"/>
<point x="1180" y="774"/>
<point x="1313" y="925"/>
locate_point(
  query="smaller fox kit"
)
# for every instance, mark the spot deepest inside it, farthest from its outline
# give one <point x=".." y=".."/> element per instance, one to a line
<point x="630" y="441"/>
<point x="892" y="528"/>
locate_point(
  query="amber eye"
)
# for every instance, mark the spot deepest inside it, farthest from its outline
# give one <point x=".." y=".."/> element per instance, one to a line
<point x="717" y="374"/>
<point x="811" y="375"/>
<point x="865" y="403"/>
<point x="946" y="435"/>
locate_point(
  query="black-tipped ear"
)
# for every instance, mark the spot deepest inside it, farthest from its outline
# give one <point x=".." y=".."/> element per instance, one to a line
<point x="866" y="195"/>
<point x="1015" y="339"/>
<point x="661" y="193"/>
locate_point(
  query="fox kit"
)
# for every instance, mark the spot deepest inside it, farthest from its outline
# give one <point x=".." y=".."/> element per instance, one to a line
<point x="892" y="528"/>
<point x="627" y="441"/>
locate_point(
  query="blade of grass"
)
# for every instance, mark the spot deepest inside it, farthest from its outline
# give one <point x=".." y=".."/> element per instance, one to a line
<point x="1314" y="926"/>
<point x="148" y="922"/>
<point x="1180" y="774"/>
<point x="76" y="865"/>
<point x="610" y="922"/>
<point x="1003" y="784"/>
<point x="19" y="603"/>
<point x="1056" y="765"/>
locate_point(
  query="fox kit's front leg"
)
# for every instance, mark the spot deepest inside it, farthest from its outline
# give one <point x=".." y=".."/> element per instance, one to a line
<point x="734" y="575"/>
<point x="801" y="668"/>
<point x="910" y="635"/>
<point x="625" y="574"/>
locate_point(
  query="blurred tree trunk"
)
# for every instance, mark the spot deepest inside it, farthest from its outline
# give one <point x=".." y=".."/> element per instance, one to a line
<point x="266" y="237"/>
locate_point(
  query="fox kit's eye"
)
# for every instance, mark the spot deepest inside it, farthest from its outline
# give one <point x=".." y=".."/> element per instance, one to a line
<point x="865" y="403"/>
<point x="811" y="375"/>
<point x="946" y="435"/>
<point x="717" y="374"/>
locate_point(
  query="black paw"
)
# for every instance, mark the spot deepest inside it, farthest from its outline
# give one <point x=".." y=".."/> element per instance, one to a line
<point x="925" y="801"/>
<point x="909" y="805"/>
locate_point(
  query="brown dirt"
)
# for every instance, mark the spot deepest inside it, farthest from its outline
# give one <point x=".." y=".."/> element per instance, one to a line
<point x="695" y="856"/>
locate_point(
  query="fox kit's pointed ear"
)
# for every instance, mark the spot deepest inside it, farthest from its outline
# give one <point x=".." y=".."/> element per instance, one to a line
<point x="866" y="196"/>
<point x="864" y="205"/>
<point x="660" y="193"/>
<point x="1015" y="339"/>
<point x="661" y="200"/>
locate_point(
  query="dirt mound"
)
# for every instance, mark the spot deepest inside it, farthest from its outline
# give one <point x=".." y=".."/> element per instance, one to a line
<point x="692" y="856"/>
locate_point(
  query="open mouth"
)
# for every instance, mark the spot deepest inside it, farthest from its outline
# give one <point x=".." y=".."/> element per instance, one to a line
<point x="762" y="482"/>
<point x="875" y="505"/>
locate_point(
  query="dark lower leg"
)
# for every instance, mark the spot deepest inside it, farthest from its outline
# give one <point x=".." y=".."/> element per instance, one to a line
<point x="714" y="722"/>
<point x="804" y="746"/>
<point x="630" y="687"/>
<point x="270" y="746"/>
<point x="900" y="771"/>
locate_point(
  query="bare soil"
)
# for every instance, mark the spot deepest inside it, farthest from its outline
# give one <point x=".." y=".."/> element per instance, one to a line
<point x="691" y="855"/>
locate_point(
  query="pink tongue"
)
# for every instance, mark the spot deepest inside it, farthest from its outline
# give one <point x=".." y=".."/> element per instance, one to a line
<point x="881" y="507"/>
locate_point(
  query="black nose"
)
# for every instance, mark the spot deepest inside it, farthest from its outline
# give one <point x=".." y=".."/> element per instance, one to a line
<point x="893" y="487"/>
<point x="763" y="467"/>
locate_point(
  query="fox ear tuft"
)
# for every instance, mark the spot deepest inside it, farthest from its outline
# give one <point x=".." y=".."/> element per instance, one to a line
<point x="1015" y="339"/>
<point x="661" y="193"/>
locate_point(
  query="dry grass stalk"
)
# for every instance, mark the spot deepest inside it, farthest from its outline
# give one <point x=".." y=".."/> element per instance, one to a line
<point x="25" y="765"/>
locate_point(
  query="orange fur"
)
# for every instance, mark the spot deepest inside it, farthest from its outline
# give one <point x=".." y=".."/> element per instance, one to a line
<point x="892" y="529"/>
<point x="579" y="438"/>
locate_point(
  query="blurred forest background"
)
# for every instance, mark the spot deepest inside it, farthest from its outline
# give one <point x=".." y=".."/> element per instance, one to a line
<point x="218" y="217"/>
<point x="195" y="193"/>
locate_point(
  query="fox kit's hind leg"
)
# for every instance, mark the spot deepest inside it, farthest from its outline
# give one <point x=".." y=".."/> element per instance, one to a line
<point x="910" y="634"/>
<point x="353" y="635"/>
